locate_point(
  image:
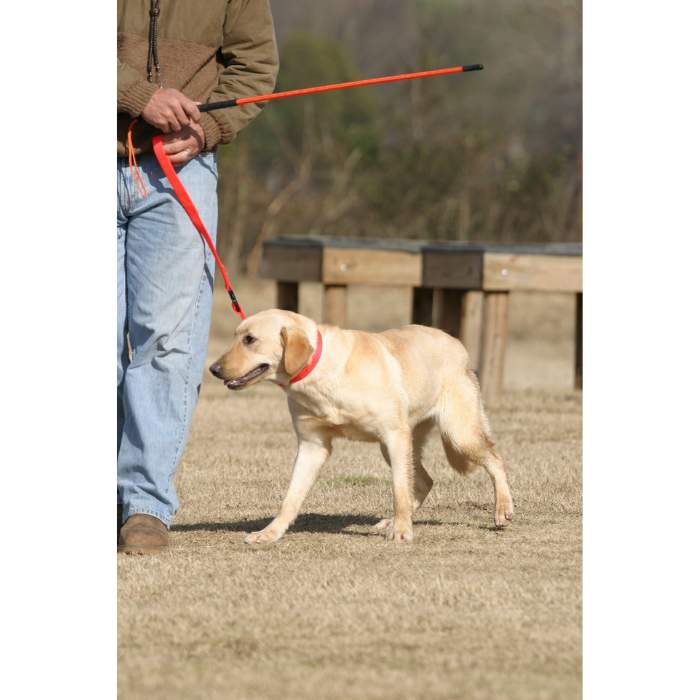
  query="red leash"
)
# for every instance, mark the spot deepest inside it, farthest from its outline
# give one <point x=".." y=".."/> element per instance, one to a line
<point x="192" y="212"/>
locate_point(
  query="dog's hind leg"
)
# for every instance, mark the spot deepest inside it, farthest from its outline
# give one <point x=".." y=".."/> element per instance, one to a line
<point x="465" y="436"/>
<point x="311" y="456"/>
<point x="496" y="468"/>
<point x="422" y="483"/>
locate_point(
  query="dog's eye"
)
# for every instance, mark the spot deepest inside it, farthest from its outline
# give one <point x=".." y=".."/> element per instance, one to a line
<point x="248" y="339"/>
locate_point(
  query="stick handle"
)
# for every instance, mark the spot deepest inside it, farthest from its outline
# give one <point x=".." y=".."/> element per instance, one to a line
<point x="340" y="86"/>
<point x="217" y="105"/>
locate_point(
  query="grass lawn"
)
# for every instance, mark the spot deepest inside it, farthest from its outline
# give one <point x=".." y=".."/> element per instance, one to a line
<point x="334" y="611"/>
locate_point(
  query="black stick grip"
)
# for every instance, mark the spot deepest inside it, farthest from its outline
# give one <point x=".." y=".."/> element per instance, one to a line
<point x="217" y="105"/>
<point x="474" y="66"/>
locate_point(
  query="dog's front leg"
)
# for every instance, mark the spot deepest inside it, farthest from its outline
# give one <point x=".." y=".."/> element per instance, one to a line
<point x="399" y="445"/>
<point x="311" y="456"/>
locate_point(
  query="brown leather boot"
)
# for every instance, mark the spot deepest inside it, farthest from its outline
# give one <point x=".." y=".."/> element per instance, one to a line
<point x="120" y="513"/>
<point x="142" y="534"/>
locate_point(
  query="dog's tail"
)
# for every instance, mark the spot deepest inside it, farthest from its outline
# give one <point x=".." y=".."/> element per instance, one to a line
<point x="464" y="427"/>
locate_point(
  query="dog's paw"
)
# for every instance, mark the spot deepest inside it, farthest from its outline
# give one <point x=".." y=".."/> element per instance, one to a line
<point x="400" y="536"/>
<point x="266" y="536"/>
<point x="385" y="524"/>
<point x="504" y="514"/>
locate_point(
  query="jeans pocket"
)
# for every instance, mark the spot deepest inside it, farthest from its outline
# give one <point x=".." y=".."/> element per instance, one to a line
<point x="208" y="159"/>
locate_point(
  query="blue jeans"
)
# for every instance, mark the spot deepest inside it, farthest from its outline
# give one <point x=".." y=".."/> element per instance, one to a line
<point x="165" y="278"/>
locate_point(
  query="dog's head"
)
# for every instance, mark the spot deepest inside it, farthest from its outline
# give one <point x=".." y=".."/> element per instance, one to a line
<point x="273" y="345"/>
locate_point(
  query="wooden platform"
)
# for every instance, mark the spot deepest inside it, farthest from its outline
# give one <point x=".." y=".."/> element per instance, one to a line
<point x="461" y="288"/>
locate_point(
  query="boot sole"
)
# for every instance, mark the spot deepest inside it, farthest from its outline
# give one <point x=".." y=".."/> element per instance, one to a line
<point x="135" y="549"/>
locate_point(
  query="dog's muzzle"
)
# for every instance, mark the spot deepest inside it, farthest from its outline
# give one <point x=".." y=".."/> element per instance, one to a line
<point x="240" y="382"/>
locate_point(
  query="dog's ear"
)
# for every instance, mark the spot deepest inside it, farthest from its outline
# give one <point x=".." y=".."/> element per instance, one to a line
<point x="297" y="349"/>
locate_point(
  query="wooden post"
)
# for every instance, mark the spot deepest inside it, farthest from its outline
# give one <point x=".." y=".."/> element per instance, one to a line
<point x="335" y="311"/>
<point x="471" y="326"/>
<point x="422" y="306"/>
<point x="495" y="333"/>
<point x="579" y="341"/>
<point x="288" y="296"/>
<point x="448" y="303"/>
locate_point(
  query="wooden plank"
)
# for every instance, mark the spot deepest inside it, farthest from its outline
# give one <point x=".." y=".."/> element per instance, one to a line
<point x="569" y="249"/>
<point x="471" y="326"/>
<point x="335" y="307"/>
<point x="578" y="364"/>
<point x="533" y="273"/>
<point x="369" y="244"/>
<point x="452" y="270"/>
<point x="422" y="306"/>
<point x="495" y="334"/>
<point x="288" y="296"/>
<point x="289" y="264"/>
<point x="448" y="310"/>
<point x="376" y="267"/>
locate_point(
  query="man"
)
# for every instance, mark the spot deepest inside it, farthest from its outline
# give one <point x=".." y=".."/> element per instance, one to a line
<point x="171" y="55"/>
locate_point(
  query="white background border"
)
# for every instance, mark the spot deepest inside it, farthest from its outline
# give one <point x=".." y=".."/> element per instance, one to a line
<point x="641" y="346"/>
<point x="57" y="281"/>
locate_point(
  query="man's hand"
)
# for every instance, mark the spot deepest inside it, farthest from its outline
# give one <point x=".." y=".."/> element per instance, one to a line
<point x="169" y="110"/>
<point x="184" y="144"/>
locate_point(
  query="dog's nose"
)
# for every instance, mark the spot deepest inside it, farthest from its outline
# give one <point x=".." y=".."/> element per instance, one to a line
<point x="215" y="370"/>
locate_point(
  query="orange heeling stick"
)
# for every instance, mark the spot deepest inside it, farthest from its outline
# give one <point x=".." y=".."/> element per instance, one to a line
<point x="339" y="86"/>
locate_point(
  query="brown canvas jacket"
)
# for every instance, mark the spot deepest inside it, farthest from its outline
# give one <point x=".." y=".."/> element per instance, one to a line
<point x="210" y="50"/>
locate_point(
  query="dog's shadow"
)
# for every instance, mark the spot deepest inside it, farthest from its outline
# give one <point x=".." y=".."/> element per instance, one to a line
<point x="308" y="522"/>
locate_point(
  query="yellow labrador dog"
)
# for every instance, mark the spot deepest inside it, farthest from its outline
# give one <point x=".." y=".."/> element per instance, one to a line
<point x="392" y="388"/>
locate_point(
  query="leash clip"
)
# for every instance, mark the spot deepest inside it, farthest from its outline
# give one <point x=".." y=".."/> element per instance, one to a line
<point x="234" y="301"/>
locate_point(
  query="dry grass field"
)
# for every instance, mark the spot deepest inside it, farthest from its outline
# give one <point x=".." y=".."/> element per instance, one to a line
<point x="334" y="611"/>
